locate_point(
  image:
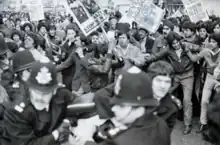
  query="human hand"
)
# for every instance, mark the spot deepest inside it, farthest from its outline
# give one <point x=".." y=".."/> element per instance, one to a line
<point x="63" y="131"/>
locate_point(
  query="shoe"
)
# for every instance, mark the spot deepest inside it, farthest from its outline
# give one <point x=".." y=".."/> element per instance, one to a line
<point x="187" y="129"/>
<point x="201" y="128"/>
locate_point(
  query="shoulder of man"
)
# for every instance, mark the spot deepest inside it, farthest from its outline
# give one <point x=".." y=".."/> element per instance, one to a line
<point x="22" y="110"/>
<point x="177" y="102"/>
<point x="22" y="106"/>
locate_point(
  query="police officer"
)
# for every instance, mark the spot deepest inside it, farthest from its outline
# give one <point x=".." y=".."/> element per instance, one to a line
<point x="39" y="120"/>
<point x="161" y="74"/>
<point x="133" y="107"/>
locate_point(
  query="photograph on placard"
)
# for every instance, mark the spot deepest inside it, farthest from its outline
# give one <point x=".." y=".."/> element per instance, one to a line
<point x="78" y="11"/>
<point x="91" y="6"/>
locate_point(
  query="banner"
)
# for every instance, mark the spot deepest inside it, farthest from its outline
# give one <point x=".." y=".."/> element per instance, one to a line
<point x="195" y="10"/>
<point x="150" y="17"/>
<point x="36" y="10"/>
<point x="87" y="14"/>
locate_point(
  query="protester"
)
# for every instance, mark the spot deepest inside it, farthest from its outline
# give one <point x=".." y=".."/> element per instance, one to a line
<point x="90" y="51"/>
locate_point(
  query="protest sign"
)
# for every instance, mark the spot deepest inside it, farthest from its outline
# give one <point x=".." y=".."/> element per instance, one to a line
<point x="36" y="10"/>
<point x="87" y="14"/>
<point x="150" y="17"/>
<point x="195" y="10"/>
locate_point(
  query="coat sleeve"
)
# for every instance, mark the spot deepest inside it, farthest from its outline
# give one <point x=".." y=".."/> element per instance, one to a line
<point x="159" y="55"/>
<point x="67" y="63"/>
<point x="21" y="132"/>
<point x="102" y="101"/>
<point x="97" y="68"/>
<point x="139" y="57"/>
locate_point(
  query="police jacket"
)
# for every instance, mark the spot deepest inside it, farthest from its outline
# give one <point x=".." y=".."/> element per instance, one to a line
<point x="24" y="125"/>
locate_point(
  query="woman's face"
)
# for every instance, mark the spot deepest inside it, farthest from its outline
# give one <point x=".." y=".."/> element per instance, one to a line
<point x="216" y="29"/>
<point x="213" y="44"/>
<point x="27" y="29"/>
<point x="16" y="38"/>
<point x="176" y="45"/>
<point x="202" y="33"/>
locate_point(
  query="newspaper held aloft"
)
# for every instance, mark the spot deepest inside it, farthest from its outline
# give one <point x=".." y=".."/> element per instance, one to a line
<point x="87" y="14"/>
<point x="196" y="11"/>
<point x="150" y="16"/>
<point x="36" y="10"/>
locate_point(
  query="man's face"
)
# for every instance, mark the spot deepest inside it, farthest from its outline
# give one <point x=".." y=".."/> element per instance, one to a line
<point x="43" y="30"/>
<point x="161" y="86"/>
<point x="121" y="112"/>
<point x="39" y="99"/>
<point x="113" y="23"/>
<point x="95" y="39"/>
<point x="52" y="32"/>
<point x="216" y="29"/>
<point x="202" y="33"/>
<point x="187" y="33"/>
<point x="71" y="34"/>
<point x="213" y="44"/>
<point x="166" y="30"/>
<point x="142" y="34"/>
<point x="28" y="42"/>
<point x="123" y="40"/>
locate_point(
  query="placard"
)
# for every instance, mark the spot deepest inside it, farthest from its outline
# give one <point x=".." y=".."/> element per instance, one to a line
<point x="87" y="14"/>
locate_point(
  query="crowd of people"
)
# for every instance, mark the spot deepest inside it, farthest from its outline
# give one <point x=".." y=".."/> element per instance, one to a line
<point x="138" y="81"/>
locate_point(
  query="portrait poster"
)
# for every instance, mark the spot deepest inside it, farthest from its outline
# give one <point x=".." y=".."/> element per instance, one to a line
<point x="150" y="17"/>
<point x="36" y="10"/>
<point x="196" y="11"/>
<point x="87" y="14"/>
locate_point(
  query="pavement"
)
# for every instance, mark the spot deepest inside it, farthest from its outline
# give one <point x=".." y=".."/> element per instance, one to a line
<point x="193" y="138"/>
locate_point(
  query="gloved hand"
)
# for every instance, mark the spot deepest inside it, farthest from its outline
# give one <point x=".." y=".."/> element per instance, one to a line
<point x="63" y="132"/>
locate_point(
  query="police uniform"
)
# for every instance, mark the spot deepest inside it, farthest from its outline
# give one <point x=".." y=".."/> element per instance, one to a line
<point x="25" y="125"/>
<point x="167" y="110"/>
<point x="149" y="129"/>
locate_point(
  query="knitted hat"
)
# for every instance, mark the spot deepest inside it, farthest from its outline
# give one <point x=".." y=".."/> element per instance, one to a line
<point x="168" y="24"/>
<point x="134" y="88"/>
